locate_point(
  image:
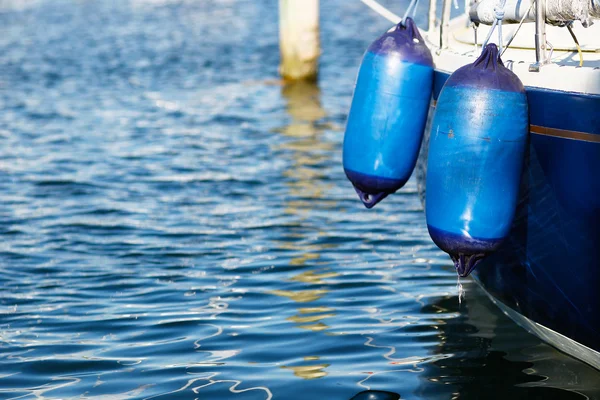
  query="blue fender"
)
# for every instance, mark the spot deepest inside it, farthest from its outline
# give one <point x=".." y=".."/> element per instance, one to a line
<point x="476" y="151"/>
<point x="388" y="113"/>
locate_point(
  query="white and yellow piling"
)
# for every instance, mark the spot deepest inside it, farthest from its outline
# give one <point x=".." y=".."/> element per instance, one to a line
<point x="299" y="39"/>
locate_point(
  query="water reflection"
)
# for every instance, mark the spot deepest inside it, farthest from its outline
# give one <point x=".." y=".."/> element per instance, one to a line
<point x="160" y="241"/>
<point x="209" y="379"/>
<point x="309" y="371"/>
<point x="313" y="277"/>
<point x="487" y="358"/>
<point x="307" y="182"/>
<point x="300" y="296"/>
<point x="307" y="187"/>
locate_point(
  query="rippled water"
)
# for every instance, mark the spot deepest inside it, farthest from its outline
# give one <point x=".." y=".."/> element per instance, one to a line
<point x="176" y="223"/>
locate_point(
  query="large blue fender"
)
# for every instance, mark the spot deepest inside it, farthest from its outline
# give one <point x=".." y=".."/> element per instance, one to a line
<point x="388" y="113"/>
<point x="476" y="151"/>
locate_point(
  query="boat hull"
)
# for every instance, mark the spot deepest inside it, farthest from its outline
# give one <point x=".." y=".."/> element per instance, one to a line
<point x="548" y="270"/>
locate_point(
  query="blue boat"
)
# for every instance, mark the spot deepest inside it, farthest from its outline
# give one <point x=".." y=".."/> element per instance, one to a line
<point x="546" y="274"/>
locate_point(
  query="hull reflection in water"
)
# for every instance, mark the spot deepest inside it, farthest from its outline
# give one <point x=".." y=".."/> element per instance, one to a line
<point x="492" y="356"/>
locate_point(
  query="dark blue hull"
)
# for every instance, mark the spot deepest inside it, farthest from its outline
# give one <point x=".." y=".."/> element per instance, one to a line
<point x="549" y="268"/>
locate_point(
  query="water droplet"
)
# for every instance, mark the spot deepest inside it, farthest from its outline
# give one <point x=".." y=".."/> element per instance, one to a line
<point x="459" y="288"/>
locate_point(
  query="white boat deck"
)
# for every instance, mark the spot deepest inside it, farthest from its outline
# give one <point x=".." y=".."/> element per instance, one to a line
<point x="563" y="73"/>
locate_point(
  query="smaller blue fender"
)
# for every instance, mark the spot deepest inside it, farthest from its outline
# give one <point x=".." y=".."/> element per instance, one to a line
<point x="476" y="152"/>
<point x="388" y="113"/>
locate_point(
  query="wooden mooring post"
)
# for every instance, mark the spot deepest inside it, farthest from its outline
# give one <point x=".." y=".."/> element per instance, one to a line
<point x="299" y="39"/>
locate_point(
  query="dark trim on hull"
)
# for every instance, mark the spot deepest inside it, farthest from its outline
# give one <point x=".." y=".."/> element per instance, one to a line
<point x="562" y="133"/>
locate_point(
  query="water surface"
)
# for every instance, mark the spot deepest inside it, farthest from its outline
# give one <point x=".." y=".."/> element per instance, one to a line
<point x="175" y="222"/>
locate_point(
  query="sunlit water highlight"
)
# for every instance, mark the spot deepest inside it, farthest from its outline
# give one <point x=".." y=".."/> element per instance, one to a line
<point x="175" y="222"/>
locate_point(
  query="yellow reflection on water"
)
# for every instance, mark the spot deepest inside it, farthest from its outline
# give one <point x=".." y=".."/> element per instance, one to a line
<point x="312" y="277"/>
<point x="309" y="371"/>
<point x="310" y="318"/>
<point x="301" y="296"/>
<point x="312" y="310"/>
<point x="308" y="186"/>
<point x="311" y="358"/>
<point x="304" y="106"/>
<point x="309" y="149"/>
<point x="303" y="258"/>
<point x="315" y="327"/>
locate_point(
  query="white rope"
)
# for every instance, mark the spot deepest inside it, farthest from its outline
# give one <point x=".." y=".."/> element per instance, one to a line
<point x="500" y="16"/>
<point x="487" y="39"/>
<point x="413" y="5"/>
<point x="499" y="13"/>
<point x="384" y="12"/>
